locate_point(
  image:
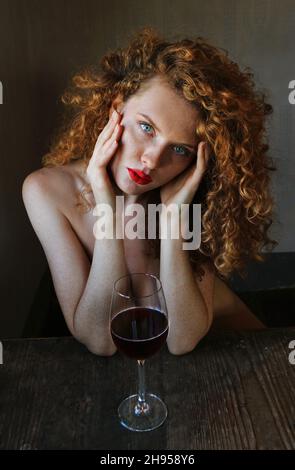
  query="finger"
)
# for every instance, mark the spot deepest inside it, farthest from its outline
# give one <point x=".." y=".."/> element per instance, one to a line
<point x="199" y="169"/>
<point x="108" y="129"/>
<point x="107" y="154"/>
<point x="114" y="136"/>
<point x="207" y="152"/>
<point x="108" y="150"/>
<point x="203" y="153"/>
<point x="101" y="143"/>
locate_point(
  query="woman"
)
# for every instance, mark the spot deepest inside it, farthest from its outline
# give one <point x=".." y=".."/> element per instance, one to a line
<point x="170" y="122"/>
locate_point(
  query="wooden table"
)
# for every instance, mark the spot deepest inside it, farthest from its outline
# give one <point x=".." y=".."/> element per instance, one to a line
<point x="234" y="391"/>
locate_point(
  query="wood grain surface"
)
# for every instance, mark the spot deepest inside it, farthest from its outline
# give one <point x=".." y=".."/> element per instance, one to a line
<point x="234" y="391"/>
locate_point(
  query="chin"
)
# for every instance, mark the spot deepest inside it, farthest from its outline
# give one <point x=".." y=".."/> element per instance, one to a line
<point x="131" y="189"/>
<point x="127" y="186"/>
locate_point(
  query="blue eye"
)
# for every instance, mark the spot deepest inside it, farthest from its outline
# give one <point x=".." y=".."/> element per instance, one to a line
<point x="145" y="124"/>
<point x="185" y="151"/>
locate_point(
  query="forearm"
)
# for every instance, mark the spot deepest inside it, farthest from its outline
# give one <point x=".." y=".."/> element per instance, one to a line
<point x="187" y="311"/>
<point x="91" y="319"/>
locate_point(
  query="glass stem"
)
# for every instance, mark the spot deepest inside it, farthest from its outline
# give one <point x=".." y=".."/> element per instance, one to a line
<point x="141" y="380"/>
<point x="141" y="407"/>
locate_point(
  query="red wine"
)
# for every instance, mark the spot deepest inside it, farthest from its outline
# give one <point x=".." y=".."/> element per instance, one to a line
<point x="139" y="332"/>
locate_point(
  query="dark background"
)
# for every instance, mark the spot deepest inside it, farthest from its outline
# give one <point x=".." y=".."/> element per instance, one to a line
<point x="43" y="43"/>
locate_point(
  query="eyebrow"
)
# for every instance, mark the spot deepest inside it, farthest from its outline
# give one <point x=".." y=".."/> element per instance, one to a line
<point x="193" y="147"/>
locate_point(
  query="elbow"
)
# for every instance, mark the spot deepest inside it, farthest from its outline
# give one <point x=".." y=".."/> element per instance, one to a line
<point x="96" y="347"/>
<point x="95" y="344"/>
<point x="178" y="352"/>
<point x="100" y="351"/>
<point x="181" y="350"/>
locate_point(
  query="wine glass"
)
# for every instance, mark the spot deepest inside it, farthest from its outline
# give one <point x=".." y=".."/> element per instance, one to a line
<point x="139" y="327"/>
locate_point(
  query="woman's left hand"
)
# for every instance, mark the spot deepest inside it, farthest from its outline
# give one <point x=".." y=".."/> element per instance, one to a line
<point x="182" y="189"/>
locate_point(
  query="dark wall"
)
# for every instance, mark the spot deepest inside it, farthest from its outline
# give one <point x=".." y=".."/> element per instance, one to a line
<point x="43" y="43"/>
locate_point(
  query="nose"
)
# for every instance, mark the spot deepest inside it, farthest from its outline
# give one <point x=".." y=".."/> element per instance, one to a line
<point x="152" y="158"/>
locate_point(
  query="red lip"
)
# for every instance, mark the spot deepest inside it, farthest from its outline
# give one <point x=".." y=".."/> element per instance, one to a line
<point x="139" y="176"/>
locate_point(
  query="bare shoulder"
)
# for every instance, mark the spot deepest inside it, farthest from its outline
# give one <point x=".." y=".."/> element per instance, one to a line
<point x="45" y="193"/>
<point x="226" y="310"/>
<point x="216" y="290"/>
<point x="229" y="311"/>
<point x="57" y="185"/>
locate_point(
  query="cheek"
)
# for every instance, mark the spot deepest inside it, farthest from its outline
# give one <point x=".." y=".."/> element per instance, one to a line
<point x="132" y="145"/>
<point x="129" y="146"/>
<point x="188" y="163"/>
<point x="169" y="173"/>
<point x="131" y="136"/>
<point x="177" y="167"/>
<point x="174" y="170"/>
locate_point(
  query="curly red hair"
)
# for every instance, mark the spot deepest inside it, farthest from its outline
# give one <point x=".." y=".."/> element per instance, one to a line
<point x="235" y="193"/>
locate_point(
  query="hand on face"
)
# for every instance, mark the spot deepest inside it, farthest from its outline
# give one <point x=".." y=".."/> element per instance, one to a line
<point x="182" y="189"/>
<point x="104" y="150"/>
<point x="156" y="124"/>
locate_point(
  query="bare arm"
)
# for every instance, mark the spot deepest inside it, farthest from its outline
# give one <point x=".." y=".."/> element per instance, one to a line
<point x="189" y="301"/>
<point x="91" y="318"/>
<point x="83" y="290"/>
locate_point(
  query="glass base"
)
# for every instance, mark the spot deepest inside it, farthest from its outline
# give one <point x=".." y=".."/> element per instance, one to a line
<point x="147" y="417"/>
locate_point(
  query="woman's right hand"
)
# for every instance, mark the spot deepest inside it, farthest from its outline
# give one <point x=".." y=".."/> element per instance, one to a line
<point x="104" y="150"/>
